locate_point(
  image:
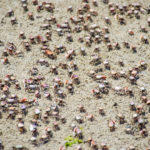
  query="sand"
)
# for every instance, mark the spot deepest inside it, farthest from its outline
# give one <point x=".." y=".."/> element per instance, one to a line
<point x="20" y="66"/>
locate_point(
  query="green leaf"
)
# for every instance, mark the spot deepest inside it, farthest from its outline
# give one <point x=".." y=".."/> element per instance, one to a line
<point x="80" y="141"/>
<point x="67" y="144"/>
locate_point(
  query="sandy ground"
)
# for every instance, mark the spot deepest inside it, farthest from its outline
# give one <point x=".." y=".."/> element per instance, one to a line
<point x="98" y="129"/>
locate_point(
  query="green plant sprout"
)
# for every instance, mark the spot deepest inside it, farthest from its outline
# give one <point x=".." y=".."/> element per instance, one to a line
<point x="70" y="141"/>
